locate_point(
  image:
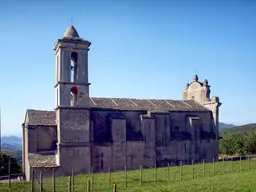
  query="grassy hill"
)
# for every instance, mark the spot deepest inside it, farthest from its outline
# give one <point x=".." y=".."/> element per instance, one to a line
<point x="199" y="178"/>
<point x="225" y="125"/>
<point x="238" y="129"/>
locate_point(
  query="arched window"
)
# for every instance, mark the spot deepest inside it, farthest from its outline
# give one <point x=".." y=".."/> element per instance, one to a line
<point x="73" y="69"/>
<point x="73" y="96"/>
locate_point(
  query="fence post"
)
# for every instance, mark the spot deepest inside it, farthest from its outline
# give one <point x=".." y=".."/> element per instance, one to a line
<point x="33" y="181"/>
<point x="141" y="175"/>
<point x="240" y="163"/>
<point x="53" y="180"/>
<point x="41" y="181"/>
<point x="213" y="161"/>
<point x="203" y="167"/>
<point x="125" y="170"/>
<point x="73" y="180"/>
<point x="88" y="186"/>
<point x="193" y="174"/>
<point x="69" y="183"/>
<point x="9" y="172"/>
<point x="168" y="171"/>
<point x="92" y="184"/>
<point x="155" y="174"/>
<point x="249" y="163"/>
<point x="231" y="164"/>
<point x="114" y="188"/>
<point x="109" y="176"/>
<point x="180" y="170"/>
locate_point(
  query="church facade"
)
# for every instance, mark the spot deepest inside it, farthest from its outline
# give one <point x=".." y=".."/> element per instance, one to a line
<point x="86" y="133"/>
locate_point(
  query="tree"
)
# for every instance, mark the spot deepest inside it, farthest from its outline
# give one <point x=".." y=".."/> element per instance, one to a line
<point x="239" y="142"/>
<point x="226" y="146"/>
<point x="4" y="165"/>
<point x="251" y="143"/>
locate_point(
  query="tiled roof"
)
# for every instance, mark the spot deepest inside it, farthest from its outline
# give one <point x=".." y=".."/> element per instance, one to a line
<point x="146" y="104"/>
<point x="46" y="159"/>
<point x="37" y="117"/>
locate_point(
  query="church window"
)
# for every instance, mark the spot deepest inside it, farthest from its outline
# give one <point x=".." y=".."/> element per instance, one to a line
<point x="73" y="96"/>
<point x="73" y="67"/>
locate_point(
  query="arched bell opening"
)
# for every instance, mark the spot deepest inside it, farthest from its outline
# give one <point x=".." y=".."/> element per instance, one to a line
<point x="73" y="96"/>
<point x="74" y="64"/>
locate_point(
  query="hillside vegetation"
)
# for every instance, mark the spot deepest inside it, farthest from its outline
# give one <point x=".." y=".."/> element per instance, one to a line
<point x="239" y="140"/>
<point x="14" y="153"/>
<point x="225" y="132"/>
<point x="225" y="125"/>
<point x="235" y="176"/>
<point x="5" y="161"/>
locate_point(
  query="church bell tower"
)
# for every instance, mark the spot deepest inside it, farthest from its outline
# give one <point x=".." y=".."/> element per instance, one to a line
<point x="72" y="102"/>
<point x="72" y="86"/>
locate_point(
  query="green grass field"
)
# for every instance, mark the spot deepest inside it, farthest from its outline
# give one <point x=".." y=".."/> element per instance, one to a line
<point x="227" y="176"/>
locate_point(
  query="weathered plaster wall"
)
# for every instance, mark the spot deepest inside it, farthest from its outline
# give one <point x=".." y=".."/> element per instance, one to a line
<point x="74" y="147"/>
<point x="101" y="120"/>
<point x="101" y="157"/>
<point x="73" y="125"/>
<point x="119" y="147"/>
<point x="26" y="162"/>
<point x="77" y="157"/>
<point x="31" y="139"/>
<point x="117" y="139"/>
<point x="49" y="135"/>
<point x="135" y="154"/>
<point x="174" y="137"/>
<point x="148" y="130"/>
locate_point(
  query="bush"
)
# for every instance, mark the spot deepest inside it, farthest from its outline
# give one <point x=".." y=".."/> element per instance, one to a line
<point x="15" y="168"/>
<point x="241" y="144"/>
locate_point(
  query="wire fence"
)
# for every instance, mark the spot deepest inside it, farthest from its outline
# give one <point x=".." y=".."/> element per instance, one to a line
<point x="155" y="177"/>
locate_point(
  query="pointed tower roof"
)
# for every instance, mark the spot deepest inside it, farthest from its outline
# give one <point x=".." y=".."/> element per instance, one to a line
<point x="71" y="36"/>
<point x="71" y="32"/>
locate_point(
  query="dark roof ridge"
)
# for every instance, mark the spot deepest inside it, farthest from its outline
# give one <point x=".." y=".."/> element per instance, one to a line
<point x="136" y="98"/>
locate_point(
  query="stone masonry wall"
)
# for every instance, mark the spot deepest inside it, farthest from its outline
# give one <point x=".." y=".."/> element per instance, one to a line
<point x="50" y="138"/>
<point x="118" y="130"/>
<point x="127" y="139"/>
<point x="74" y="147"/>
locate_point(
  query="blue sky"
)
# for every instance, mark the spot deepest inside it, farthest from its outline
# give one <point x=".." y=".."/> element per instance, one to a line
<point x="140" y="49"/>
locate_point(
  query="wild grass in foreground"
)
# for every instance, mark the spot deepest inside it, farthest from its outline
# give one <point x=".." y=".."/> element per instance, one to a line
<point x="221" y="176"/>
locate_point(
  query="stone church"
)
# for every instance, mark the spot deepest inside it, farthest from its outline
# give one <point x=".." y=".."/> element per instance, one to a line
<point x="91" y="133"/>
